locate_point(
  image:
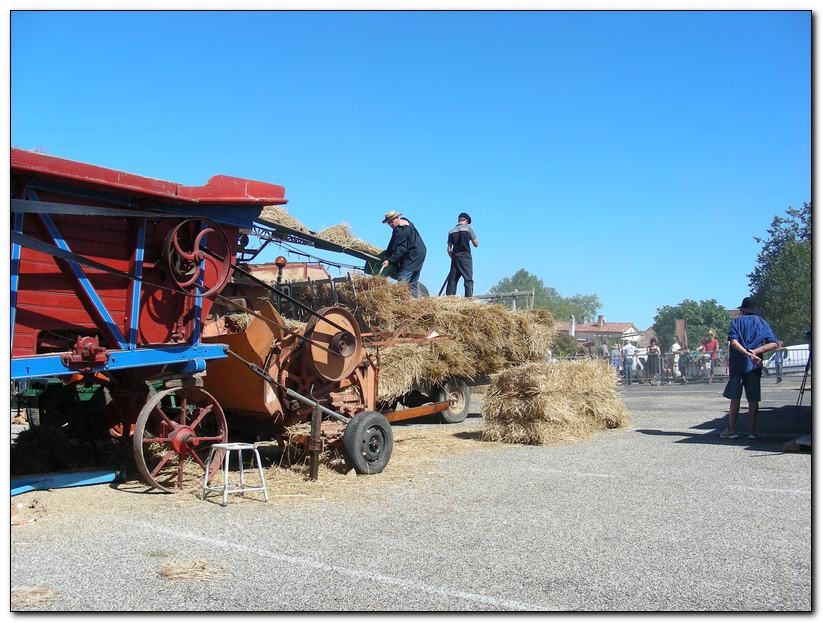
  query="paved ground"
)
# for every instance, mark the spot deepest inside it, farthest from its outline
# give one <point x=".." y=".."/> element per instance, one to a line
<point x="662" y="516"/>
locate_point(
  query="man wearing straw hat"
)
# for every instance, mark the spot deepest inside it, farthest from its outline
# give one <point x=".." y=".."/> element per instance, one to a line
<point x="406" y="250"/>
<point x="750" y="336"/>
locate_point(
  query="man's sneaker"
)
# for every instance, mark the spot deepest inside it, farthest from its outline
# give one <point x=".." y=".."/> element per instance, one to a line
<point x="753" y="436"/>
<point x="728" y="435"/>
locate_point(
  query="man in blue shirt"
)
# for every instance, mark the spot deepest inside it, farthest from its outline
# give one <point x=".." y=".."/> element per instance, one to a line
<point x="749" y="338"/>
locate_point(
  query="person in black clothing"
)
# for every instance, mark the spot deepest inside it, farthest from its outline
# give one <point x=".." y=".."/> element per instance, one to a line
<point x="459" y="250"/>
<point x="406" y="250"/>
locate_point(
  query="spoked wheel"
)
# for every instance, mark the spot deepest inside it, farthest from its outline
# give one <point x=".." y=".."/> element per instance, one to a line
<point x="173" y="435"/>
<point x="198" y="251"/>
<point x="368" y="442"/>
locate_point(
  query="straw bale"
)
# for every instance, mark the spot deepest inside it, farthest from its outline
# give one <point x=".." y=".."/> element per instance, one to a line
<point x="280" y="216"/>
<point x="342" y="235"/>
<point x="541" y="403"/>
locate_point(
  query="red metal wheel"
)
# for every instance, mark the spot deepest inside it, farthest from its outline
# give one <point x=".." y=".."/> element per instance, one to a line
<point x="173" y="435"/>
<point x="190" y="251"/>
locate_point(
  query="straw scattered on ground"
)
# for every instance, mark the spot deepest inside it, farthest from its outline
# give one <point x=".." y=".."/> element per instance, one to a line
<point x="25" y="597"/>
<point x="191" y="570"/>
<point x="540" y="403"/>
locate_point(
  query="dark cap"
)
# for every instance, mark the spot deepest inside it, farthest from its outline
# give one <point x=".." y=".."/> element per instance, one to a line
<point x="465" y="216"/>
<point x="748" y="306"/>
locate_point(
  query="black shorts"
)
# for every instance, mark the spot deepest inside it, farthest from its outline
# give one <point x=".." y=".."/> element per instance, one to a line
<point x="749" y="381"/>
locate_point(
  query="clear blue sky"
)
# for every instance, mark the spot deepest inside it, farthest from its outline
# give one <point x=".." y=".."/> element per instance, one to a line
<point x="629" y="154"/>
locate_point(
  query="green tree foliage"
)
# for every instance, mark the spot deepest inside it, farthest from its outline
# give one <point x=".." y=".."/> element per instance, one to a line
<point x="580" y="305"/>
<point x="700" y="316"/>
<point x="564" y="345"/>
<point x="781" y="282"/>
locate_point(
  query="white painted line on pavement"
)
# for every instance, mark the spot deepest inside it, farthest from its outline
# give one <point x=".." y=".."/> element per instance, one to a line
<point x="568" y="473"/>
<point x="356" y="573"/>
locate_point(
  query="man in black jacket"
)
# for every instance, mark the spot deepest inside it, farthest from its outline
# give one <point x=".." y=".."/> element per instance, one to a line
<point x="460" y="236"/>
<point x="406" y="250"/>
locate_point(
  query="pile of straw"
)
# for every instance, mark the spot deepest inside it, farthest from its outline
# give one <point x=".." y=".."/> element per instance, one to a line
<point x="540" y="403"/>
<point x="280" y="216"/>
<point x="487" y="338"/>
<point x="342" y="235"/>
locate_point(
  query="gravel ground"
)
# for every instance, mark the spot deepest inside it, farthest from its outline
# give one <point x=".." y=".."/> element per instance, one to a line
<point x="663" y="516"/>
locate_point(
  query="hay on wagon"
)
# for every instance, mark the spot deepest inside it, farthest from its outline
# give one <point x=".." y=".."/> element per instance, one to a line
<point x="486" y="338"/>
<point x="542" y="403"/>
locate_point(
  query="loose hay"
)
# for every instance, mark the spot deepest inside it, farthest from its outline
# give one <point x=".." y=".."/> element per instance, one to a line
<point x="540" y="403"/>
<point x="280" y="216"/>
<point x="191" y="570"/>
<point x="31" y="597"/>
<point x="341" y="234"/>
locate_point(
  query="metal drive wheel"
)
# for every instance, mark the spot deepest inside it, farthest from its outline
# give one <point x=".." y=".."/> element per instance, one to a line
<point x="368" y="442"/>
<point x="197" y="250"/>
<point x="458" y="393"/>
<point x="173" y="435"/>
<point x="335" y="353"/>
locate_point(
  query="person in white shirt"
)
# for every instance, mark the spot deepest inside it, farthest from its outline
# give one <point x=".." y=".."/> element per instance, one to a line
<point x="629" y="361"/>
<point x="676" y="348"/>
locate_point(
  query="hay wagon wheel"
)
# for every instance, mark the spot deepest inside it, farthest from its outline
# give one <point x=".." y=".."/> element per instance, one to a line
<point x="458" y="393"/>
<point x="173" y="435"/>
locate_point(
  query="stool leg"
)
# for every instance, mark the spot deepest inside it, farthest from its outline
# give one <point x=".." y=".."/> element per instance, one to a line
<point x="260" y="473"/>
<point x="226" y="478"/>
<point x="206" y="475"/>
<point x="242" y="478"/>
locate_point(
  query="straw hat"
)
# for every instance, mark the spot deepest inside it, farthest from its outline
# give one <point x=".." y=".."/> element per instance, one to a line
<point x="391" y="215"/>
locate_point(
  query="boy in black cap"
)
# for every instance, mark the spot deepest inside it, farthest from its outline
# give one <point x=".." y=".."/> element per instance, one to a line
<point x="459" y="250"/>
<point x="749" y="338"/>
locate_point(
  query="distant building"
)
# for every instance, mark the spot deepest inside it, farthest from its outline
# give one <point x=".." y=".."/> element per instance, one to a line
<point x="599" y="332"/>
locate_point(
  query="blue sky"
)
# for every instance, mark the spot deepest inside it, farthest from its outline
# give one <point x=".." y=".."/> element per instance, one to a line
<point x="629" y="154"/>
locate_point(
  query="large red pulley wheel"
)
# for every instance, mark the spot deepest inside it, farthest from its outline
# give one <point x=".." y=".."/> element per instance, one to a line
<point x="198" y="254"/>
<point x="173" y="436"/>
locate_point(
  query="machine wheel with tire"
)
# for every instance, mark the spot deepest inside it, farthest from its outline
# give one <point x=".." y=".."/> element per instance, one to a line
<point x="368" y="442"/>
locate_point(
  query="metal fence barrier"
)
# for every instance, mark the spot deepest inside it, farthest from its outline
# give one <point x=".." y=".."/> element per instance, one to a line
<point x="691" y="366"/>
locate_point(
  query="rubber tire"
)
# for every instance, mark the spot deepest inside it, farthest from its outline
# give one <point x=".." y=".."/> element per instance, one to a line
<point x="364" y="427"/>
<point x="451" y="415"/>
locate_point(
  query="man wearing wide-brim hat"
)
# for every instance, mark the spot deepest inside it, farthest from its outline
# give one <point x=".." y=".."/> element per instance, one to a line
<point x="750" y="337"/>
<point x="406" y="250"/>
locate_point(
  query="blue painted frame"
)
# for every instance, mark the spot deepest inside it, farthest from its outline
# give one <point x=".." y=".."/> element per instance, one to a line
<point x="15" y="272"/>
<point x="137" y="285"/>
<point x="85" y="284"/>
<point x="185" y="358"/>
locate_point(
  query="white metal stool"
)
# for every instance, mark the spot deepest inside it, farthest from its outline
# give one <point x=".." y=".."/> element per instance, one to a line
<point x="225" y="488"/>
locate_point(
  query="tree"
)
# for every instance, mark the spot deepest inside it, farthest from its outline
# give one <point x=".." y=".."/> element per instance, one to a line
<point x="781" y="282"/>
<point x="582" y="306"/>
<point x="700" y="316"/>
